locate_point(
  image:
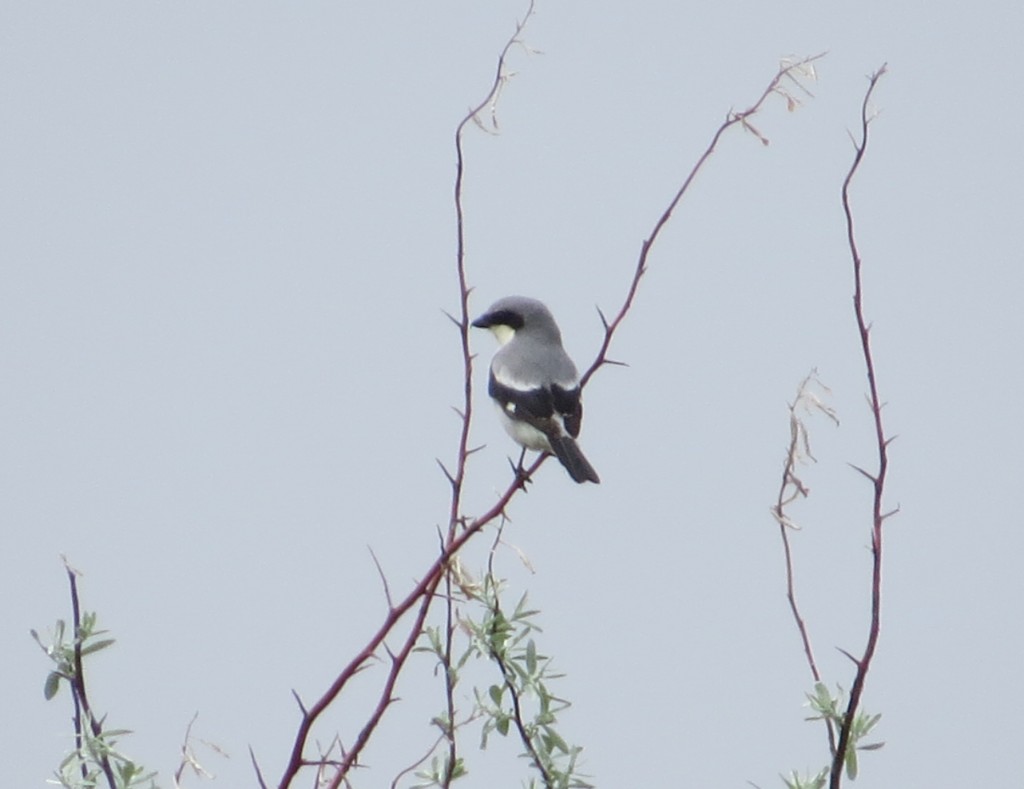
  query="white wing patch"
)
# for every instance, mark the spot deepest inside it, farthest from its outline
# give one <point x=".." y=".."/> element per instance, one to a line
<point x="503" y="377"/>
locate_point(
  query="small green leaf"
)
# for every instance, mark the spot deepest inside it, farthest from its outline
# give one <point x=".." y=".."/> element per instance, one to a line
<point x="502" y="725"/>
<point x="495" y="692"/>
<point x="531" y="657"/>
<point x="52" y="685"/>
<point x="96" y="646"/>
<point x="851" y="763"/>
<point x="554" y="740"/>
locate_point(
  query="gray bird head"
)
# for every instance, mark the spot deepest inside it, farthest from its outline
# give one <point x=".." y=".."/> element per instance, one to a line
<point x="520" y="315"/>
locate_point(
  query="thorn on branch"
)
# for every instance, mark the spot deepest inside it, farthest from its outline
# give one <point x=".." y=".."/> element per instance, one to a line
<point x="871" y="477"/>
<point x="444" y="470"/>
<point x="383" y="580"/>
<point x="256" y="767"/>
<point x="854" y="660"/>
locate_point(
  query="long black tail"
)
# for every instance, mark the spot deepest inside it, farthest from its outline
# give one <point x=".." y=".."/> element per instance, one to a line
<point x="569" y="454"/>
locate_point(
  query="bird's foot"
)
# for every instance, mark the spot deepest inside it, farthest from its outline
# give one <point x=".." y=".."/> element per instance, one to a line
<point x="522" y="475"/>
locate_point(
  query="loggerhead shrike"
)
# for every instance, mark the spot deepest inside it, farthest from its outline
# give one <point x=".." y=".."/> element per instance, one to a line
<point x="534" y="382"/>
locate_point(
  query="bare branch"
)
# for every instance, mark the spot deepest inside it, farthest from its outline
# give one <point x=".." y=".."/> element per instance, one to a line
<point x="788" y="70"/>
<point x="461" y="528"/>
<point x="423" y="593"/>
<point x="882" y="444"/>
<point x="188" y="757"/>
<point x="789" y="490"/>
<point x="418" y="762"/>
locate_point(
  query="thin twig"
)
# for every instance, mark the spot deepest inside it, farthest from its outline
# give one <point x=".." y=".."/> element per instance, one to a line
<point x="256" y="769"/>
<point x="449" y="681"/>
<point x="791" y="488"/>
<point x="732" y="119"/>
<point x="394" y="782"/>
<point x="383" y="578"/>
<point x="463" y="323"/>
<point x="188" y="758"/>
<point x="882" y="444"/>
<point x="524" y="736"/>
<point x="82" y="707"/>
<point x="467" y="368"/>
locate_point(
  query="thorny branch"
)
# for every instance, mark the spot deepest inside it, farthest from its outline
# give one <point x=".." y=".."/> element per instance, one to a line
<point x="788" y="72"/>
<point x="882" y="445"/>
<point x="461" y="529"/>
<point x="500" y="77"/>
<point x="425" y="591"/>
<point x="422" y="592"/>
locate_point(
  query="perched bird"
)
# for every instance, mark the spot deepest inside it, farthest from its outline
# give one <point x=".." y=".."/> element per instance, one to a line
<point x="534" y="382"/>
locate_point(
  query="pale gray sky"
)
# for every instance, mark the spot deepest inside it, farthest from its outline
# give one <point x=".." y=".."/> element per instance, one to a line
<point x="227" y="239"/>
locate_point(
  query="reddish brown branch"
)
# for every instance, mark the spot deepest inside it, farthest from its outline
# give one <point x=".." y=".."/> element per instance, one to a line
<point x="882" y="444"/>
<point x="467" y="365"/>
<point x="425" y="591"/>
<point x="731" y="119"/>
<point x="387" y="697"/>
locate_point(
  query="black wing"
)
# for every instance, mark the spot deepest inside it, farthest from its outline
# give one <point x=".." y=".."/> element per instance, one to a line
<point x="538" y="406"/>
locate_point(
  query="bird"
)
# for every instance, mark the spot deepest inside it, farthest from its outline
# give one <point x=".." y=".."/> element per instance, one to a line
<point x="534" y="383"/>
